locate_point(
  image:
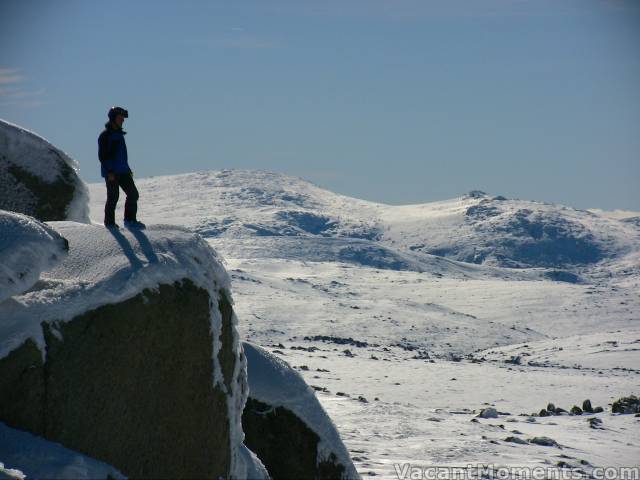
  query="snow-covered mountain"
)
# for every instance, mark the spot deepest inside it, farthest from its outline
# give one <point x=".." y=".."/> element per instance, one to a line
<point x="407" y="319"/>
<point x="254" y="207"/>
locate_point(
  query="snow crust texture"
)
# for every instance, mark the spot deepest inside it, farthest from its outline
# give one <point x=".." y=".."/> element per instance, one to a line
<point x="107" y="266"/>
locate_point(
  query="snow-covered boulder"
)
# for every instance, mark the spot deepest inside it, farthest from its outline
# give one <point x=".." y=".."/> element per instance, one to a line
<point x="27" y="247"/>
<point x="128" y="352"/>
<point x="286" y="426"/>
<point x="39" y="179"/>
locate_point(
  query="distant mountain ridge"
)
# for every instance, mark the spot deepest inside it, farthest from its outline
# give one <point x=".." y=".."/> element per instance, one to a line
<point x="475" y="228"/>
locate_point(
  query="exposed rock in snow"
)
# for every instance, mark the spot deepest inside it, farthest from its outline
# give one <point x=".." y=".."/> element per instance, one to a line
<point x="27" y="247"/>
<point x="141" y="338"/>
<point x="630" y="404"/>
<point x="285" y="424"/>
<point x="544" y="441"/>
<point x="488" y="413"/>
<point x="39" y="179"/>
<point x="517" y="440"/>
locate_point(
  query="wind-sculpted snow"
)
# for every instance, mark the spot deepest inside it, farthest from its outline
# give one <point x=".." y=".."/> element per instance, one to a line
<point x="475" y="228"/>
<point x="27" y="248"/>
<point x="38" y="178"/>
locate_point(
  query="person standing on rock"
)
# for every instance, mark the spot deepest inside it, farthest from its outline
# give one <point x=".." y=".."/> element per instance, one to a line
<point x="112" y="152"/>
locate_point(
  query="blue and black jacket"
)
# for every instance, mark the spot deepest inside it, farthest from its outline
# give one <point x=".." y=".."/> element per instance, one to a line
<point x="112" y="151"/>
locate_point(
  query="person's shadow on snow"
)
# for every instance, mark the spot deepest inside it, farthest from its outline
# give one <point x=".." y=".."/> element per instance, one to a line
<point x="145" y="244"/>
<point x="129" y="252"/>
<point x="127" y="249"/>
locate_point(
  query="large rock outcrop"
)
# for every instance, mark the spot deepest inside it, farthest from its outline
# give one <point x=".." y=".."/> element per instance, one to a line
<point x="286" y="426"/>
<point x="140" y="373"/>
<point x="39" y="179"/>
<point x="127" y="351"/>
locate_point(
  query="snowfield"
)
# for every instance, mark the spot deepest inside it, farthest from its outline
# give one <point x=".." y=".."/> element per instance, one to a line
<point x="408" y="320"/>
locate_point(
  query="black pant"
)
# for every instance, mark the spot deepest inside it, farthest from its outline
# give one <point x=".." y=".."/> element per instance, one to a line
<point x="124" y="181"/>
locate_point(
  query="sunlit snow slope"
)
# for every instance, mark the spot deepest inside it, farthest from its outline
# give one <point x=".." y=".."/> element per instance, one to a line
<point x="406" y="319"/>
<point x="475" y="228"/>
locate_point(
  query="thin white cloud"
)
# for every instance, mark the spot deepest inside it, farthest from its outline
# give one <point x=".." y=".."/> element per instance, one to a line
<point x="13" y="91"/>
<point x="20" y="93"/>
<point x="9" y="76"/>
<point x="22" y="103"/>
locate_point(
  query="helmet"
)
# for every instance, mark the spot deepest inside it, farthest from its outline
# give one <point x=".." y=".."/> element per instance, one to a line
<point x="114" y="111"/>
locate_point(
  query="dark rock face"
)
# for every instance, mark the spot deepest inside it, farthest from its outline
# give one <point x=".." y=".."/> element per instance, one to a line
<point x="129" y="384"/>
<point x="285" y="444"/>
<point x="23" y="394"/>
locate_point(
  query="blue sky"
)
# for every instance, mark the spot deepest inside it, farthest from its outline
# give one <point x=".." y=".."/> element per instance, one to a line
<point x="394" y="101"/>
